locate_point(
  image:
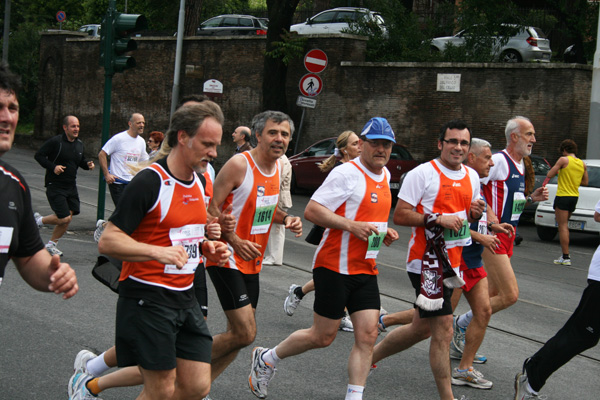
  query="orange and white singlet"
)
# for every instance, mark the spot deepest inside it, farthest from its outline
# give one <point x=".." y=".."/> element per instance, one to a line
<point x="254" y="204"/>
<point x="433" y="188"/>
<point x="363" y="199"/>
<point x="177" y="218"/>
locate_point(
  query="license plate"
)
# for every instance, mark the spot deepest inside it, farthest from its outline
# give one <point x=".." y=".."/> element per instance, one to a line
<point x="394" y="185"/>
<point x="579" y="225"/>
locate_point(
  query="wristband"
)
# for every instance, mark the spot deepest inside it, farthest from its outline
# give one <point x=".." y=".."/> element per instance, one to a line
<point x="287" y="215"/>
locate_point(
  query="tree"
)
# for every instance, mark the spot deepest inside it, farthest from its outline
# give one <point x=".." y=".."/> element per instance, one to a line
<point x="281" y="13"/>
<point x="192" y="16"/>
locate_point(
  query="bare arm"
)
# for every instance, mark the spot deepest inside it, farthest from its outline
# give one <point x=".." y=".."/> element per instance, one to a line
<point x="584" y="178"/>
<point x="404" y="215"/>
<point x="561" y="163"/>
<point x="323" y="216"/>
<point x="47" y="274"/>
<point x="103" y="161"/>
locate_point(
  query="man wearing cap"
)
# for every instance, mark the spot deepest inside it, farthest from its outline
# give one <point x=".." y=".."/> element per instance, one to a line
<point x="437" y="199"/>
<point x="353" y="205"/>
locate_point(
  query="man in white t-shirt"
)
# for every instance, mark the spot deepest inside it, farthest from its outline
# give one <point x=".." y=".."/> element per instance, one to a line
<point x="125" y="148"/>
<point x="580" y="332"/>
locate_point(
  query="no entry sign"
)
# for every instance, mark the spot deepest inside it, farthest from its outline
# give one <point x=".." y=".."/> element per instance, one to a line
<point x="311" y="85"/>
<point x="315" y="61"/>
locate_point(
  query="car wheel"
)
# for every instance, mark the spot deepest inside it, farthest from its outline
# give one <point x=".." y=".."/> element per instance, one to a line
<point x="546" y="234"/>
<point x="511" y="56"/>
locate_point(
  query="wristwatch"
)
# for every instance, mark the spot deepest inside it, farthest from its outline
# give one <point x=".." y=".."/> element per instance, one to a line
<point x="530" y="199"/>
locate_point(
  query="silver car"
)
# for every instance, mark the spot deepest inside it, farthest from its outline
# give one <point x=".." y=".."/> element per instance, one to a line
<point x="336" y="20"/>
<point x="528" y="44"/>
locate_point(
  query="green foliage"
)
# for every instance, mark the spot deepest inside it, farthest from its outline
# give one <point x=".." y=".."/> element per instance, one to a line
<point x="290" y="47"/>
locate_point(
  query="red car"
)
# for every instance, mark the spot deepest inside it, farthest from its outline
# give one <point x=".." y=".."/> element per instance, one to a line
<point x="305" y="165"/>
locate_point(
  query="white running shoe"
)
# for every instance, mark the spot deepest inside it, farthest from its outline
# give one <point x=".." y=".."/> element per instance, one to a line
<point x="456" y="354"/>
<point x="100" y="224"/>
<point x="563" y="261"/>
<point x="346" y="324"/>
<point x="77" y="389"/>
<point x="458" y="337"/>
<point x="291" y="301"/>
<point x="38" y="219"/>
<point x="52" y="249"/>
<point x="80" y="364"/>
<point x="261" y="373"/>
<point x="470" y="377"/>
<point x="521" y="392"/>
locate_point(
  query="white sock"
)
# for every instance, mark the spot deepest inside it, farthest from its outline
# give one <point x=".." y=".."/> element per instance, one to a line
<point x="39" y="221"/>
<point x="96" y="366"/>
<point x="270" y="357"/>
<point x="354" y="392"/>
<point x="51" y="243"/>
<point x="530" y="390"/>
<point x="465" y="319"/>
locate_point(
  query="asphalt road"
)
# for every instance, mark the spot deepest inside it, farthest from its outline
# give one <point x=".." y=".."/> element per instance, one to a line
<point x="40" y="333"/>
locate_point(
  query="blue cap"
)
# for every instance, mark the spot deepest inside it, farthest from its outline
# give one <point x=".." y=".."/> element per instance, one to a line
<point x="378" y="128"/>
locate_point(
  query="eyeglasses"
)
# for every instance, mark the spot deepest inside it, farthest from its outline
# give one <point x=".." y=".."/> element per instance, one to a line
<point x="151" y="141"/>
<point x="455" y="142"/>
<point x="376" y="143"/>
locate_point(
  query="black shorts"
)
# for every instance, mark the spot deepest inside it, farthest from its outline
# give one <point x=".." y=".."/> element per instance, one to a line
<point x="235" y="290"/>
<point x="446" y="309"/>
<point x="200" y="288"/>
<point x="566" y="203"/>
<point x="335" y="291"/>
<point x="153" y="336"/>
<point x="63" y="200"/>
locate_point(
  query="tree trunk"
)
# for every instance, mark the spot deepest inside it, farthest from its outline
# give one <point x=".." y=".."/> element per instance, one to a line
<point x="275" y="71"/>
<point x="192" y="17"/>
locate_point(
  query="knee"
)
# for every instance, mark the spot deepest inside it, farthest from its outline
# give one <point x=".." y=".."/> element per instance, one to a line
<point x="323" y="340"/>
<point x="483" y="314"/>
<point x="65" y="221"/>
<point x="422" y="332"/>
<point x="246" y="337"/>
<point x="511" y="297"/>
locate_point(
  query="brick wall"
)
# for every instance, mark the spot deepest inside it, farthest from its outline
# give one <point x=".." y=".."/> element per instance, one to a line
<point x="555" y="96"/>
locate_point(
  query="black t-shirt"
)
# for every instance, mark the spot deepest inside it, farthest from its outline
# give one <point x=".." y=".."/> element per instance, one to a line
<point x="138" y="197"/>
<point x="19" y="234"/>
<point x="59" y="151"/>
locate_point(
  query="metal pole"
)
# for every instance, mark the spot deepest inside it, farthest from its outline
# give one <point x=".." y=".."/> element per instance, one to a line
<point x="593" y="139"/>
<point x="177" y="74"/>
<point x="6" y="31"/>
<point x="298" y="132"/>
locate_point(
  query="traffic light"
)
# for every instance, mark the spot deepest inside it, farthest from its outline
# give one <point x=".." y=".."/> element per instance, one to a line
<point x="124" y="25"/>
<point x="115" y="40"/>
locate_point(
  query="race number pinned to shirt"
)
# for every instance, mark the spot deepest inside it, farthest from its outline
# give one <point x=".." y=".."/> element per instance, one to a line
<point x="519" y="202"/>
<point x="190" y="237"/>
<point x="265" y="209"/>
<point x="6" y="233"/>
<point x="460" y="238"/>
<point x="375" y="241"/>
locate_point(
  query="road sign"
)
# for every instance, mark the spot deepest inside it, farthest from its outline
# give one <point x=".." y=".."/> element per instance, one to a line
<point x="213" y="86"/>
<point x="315" y="61"/>
<point x="306" y="102"/>
<point x="311" y="85"/>
<point x="61" y="16"/>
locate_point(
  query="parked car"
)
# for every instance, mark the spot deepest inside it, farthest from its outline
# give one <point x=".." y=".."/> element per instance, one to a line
<point x="233" y="25"/>
<point x="91" y="29"/>
<point x="541" y="168"/>
<point x="582" y="219"/>
<point x="528" y="44"/>
<point x="336" y="20"/>
<point x="305" y="165"/>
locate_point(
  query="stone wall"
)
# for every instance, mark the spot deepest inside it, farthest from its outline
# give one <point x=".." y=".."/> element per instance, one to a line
<point x="555" y="96"/>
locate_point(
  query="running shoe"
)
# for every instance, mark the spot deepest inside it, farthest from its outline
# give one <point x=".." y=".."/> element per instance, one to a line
<point x="456" y="354"/>
<point x="380" y="325"/>
<point x="261" y="373"/>
<point x="458" y="337"/>
<point x="346" y="323"/>
<point x="291" y="301"/>
<point x="52" y="249"/>
<point x="80" y="364"/>
<point x="77" y="389"/>
<point x="521" y="391"/>
<point x="38" y="219"/>
<point x="563" y="261"/>
<point x="100" y="224"/>
<point x="470" y="377"/>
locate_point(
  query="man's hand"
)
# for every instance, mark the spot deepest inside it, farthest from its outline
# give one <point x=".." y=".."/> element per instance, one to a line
<point x="477" y="208"/>
<point x="294" y="224"/>
<point x="59" y="169"/>
<point x="175" y="255"/>
<point x="227" y="220"/>
<point x="504" y="227"/>
<point x="540" y="194"/>
<point x="109" y="178"/>
<point x="362" y="230"/>
<point x="90" y="165"/>
<point x="213" y="229"/>
<point x="390" y="237"/>
<point x="491" y="242"/>
<point x="453" y="222"/>
<point x="246" y="249"/>
<point x="62" y="278"/>
<point x="217" y="252"/>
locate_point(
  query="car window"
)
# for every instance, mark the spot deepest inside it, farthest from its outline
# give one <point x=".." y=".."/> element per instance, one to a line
<point x="345" y="16"/>
<point x="539" y="166"/>
<point x="264" y="23"/>
<point x="400" y="153"/>
<point x="593" y="177"/>
<point x="246" y="22"/>
<point x="320" y="149"/>
<point x="230" y="21"/>
<point x="212" y="23"/>
<point x="324" y="18"/>
<point x="537" y="32"/>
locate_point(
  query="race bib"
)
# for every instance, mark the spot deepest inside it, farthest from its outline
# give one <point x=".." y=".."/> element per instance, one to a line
<point x="6" y="233"/>
<point x="190" y="237"/>
<point x="375" y="241"/>
<point x="265" y="209"/>
<point x="519" y="202"/>
<point x="460" y="238"/>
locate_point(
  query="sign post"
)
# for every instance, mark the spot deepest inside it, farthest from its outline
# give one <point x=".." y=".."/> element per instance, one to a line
<point x="60" y="17"/>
